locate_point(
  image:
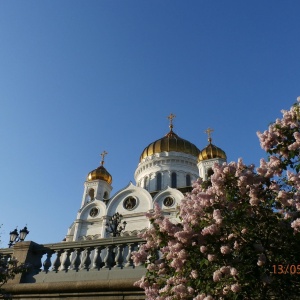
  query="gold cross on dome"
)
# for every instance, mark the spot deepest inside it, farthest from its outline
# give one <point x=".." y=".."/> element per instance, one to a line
<point x="171" y="117"/>
<point x="208" y="131"/>
<point x="103" y="155"/>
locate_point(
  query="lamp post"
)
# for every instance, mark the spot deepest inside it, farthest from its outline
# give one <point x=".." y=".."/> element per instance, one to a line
<point x="15" y="236"/>
<point x="113" y="225"/>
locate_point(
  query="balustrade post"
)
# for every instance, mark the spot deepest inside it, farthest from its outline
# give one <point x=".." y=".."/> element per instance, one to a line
<point x="76" y="260"/>
<point x="47" y="262"/>
<point x="86" y="260"/>
<point x="119" y="257"/>
<point x="108" y="259"/>
<point x="128" y="257"/>
<point x="97" y="261"/>
<point x="65" y="263"/>
<point x="56" y="263"/>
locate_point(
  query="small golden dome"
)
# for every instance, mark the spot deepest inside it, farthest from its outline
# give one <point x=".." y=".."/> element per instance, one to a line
<point x="211" y="151"/>
<point x="100" y="173"/>
<point x="170" y="142"/>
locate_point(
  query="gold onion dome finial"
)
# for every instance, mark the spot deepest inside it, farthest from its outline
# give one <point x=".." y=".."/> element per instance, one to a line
<point x="211" y="151"/>
<point x="171" y="117"/>
<point x="100" y="173"/>
<point x="103" y="156"/>
<point x="208" y="131"/>
<point x="170" y="142"/>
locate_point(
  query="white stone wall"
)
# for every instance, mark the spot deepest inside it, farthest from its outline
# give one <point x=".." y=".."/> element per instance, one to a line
<point x="166" y="163"/>
<point x="100" y="189"/>
<point x="87" y="227"/>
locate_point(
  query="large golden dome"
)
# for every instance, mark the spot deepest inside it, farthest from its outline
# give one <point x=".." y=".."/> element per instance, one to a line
<point x="211" y="151"/>
<point x="170" y="142"/>
<point x="100" y="173"/>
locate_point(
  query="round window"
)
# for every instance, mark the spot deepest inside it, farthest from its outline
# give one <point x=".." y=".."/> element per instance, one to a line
<point x="94" y="212"/>
<point x="168" y="201"/>
<point x="130" y="203"/>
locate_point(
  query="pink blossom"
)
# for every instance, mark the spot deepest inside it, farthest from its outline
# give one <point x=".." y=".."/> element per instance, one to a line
<point x="177" y="263"/>
<point x="225" y="270"/>
<point x="217" y="214"/>
<point x="226" y="289"/>
<point x="212" y="229"/>
<point x="254" y="202"/>
<point x="233" y="271"/>
<point x="180" y="290"/>
<point x="200" y="297"/>
<point x="211" y="257"/>
<point x="139" y="257"/>
<point x="231" y="236"/>
<point x="235" y="287"/>
<point x="296" y="225"/>
<point x="194" y="274"/>
<point x="236" y="245"/>
<point x="217" y="275"/>
<point x="182" y="254"/>
<point x="225" y="249"/>
<point x="203" y="249"/>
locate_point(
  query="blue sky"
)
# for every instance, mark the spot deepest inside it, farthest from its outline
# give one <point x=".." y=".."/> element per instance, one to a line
<point x="80" y="77"/>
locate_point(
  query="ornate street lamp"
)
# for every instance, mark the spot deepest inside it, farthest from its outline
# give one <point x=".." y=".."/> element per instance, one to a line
<point x="113" y="226"/>
<point x="15" y="236"/>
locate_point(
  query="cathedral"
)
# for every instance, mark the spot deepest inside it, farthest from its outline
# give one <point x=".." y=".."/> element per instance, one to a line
<point x="166" y="170"/>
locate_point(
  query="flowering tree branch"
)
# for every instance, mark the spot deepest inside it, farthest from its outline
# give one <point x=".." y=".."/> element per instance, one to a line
<point x="239" y="232"/>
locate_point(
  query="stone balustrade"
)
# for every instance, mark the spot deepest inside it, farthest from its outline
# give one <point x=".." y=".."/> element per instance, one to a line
<point x="88" y="255"/>
<point x="78" y="256"/>
<point x="84" y="268"/>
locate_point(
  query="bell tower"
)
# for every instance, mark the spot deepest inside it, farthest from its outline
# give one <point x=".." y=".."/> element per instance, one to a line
<point x="89" y="223"/>
<point x="98" y="184"/>
<point x="210" y="155"/>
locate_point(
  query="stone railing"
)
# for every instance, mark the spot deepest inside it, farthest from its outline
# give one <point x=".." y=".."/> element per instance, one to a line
<point x="83" y="269"/>
<point x="94" y="255"/>
<point x="98" y="254"/>
<point x="89" y="255"/>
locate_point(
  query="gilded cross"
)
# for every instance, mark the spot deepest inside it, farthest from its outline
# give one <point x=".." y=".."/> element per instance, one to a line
<point x="208" y="131"/>
<point x="171" y="117"/>
<point x="103" y="155"/>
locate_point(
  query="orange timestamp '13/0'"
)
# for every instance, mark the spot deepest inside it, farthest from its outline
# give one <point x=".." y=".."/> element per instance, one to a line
<point x="288" y="269"/>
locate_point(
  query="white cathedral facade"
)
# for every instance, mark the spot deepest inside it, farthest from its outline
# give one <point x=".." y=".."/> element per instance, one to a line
<point x="165" y="172"/>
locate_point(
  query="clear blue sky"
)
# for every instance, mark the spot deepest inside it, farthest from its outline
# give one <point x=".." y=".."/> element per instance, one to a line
<point x="80" y="77"/>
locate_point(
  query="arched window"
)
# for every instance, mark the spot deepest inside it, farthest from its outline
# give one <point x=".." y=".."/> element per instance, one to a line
<point x="174" y="180"/>
<point x="105" y="196"/>
<point x="92" y="194"/>
<point x="188" y="180"/>
<point x="158" y="181"/>
<point x="209" y="172"/>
